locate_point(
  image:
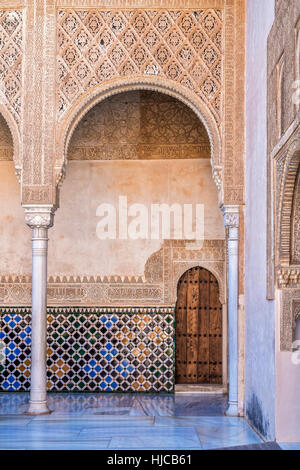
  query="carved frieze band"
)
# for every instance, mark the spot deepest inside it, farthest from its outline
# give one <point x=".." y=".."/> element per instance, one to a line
<point x="157" y="287"/>
<point x="288" y="277"/>
<point x="93" y="310"/>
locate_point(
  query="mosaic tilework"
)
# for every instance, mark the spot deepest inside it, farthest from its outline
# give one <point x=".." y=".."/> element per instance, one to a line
<point x="92" y="349"/>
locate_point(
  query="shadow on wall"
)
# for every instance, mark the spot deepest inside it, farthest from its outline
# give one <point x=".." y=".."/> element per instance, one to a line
<point x="256" y="417"/>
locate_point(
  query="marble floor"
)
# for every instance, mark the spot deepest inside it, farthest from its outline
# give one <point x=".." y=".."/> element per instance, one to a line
<point x="122" y="421"/>
<point x="289" y="445"/>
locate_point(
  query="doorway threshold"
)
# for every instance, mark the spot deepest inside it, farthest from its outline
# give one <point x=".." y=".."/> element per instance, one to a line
<point x="200" y="388"/>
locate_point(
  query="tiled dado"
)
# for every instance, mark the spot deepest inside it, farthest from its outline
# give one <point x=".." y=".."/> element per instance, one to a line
<point x="92" y="349"/>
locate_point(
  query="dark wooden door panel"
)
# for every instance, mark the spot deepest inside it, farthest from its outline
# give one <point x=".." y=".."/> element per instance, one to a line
<point x="181" y="332"/>
<point x="215" y="333"/>
<point x="192" y="325"/>
<point x="198" y="328"/>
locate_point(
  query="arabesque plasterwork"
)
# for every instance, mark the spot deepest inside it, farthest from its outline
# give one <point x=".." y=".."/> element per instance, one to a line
<point x="186" y="53"/>
<point x="96" y="45"/>
<point x="97" y="50"/>
<point x="139" y="125"/>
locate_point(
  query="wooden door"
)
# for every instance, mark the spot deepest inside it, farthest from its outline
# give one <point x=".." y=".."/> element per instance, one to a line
<point x="198" y="329"/>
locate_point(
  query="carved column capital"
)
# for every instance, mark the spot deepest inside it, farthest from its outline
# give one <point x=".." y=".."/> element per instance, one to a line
<point x="231" y="216"/>
<point x="39" y="216"/>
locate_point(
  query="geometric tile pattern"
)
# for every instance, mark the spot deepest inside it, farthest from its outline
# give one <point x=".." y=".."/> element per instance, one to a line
<point x="97" y="45"/>
<point x="11" y="60"/>
<point x="15" y="337"/>
<point x="92" y="350"/>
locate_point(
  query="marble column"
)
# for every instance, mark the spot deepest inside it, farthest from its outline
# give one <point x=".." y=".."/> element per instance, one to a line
<point x="231" y="221"/>
<point x="39" y="219"/>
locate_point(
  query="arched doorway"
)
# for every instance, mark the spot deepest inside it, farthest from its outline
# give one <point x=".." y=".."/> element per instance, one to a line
<point x="198" y="328"/>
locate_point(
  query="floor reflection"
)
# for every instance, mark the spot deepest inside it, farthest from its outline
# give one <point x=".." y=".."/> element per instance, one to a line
<point x="122" y="421"/>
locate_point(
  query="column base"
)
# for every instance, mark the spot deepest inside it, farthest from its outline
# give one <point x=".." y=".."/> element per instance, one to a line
<point x="232" y="410"/>
<point x="38" y="408"/>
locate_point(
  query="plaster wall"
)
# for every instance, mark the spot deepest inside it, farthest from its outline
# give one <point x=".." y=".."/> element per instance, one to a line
<point x="260" y="322"/>
<point x="287" y="399"/>
<point x="287" y="390"/>
<point x="15" y="236"/>
<point x="74" y="246"/>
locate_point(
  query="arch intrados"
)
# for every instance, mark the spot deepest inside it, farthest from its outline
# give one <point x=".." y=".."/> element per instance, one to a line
<point x="104" y="91"/>
<point x="287" y="196"/>
<point x="14" y="134"/>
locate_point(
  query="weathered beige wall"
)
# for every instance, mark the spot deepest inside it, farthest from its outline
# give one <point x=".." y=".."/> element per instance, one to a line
<point x="15" y="236"/>
<point x="74" y="248"/>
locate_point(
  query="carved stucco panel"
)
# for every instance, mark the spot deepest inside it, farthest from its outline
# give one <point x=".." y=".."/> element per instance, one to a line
<point x="11" y="44"/>
<point x="290" y="301"/>
<point x="98" y="45"/>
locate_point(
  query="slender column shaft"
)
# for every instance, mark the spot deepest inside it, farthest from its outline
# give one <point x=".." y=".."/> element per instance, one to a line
<point x="39" y="220"/>
<point x="231" y="215"/>
<point x="38" y="400"/>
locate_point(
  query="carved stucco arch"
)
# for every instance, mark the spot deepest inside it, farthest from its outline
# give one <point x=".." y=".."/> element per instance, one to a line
<point x="286" y="202"/>
<point x="214" y="267"/>
<point x="124" y="84"/>
<point x="15" y="138"/>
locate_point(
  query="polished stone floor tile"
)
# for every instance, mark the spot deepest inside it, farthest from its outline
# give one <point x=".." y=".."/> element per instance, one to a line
<point x="156" y="438"/>
<point x="122" y="421"/>
<point x="94" y="427"/>
<point x="289" y="445"/>
<point x="57" y="445"/>
<point x="186" y="405"/>
<point x="14" y="420"/>
<point x="218" y="437"/>
<point x="204" y="421"/>
<point x="38" y="435"/>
